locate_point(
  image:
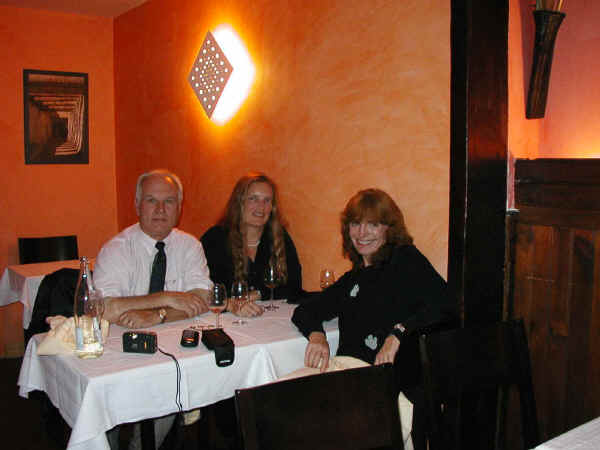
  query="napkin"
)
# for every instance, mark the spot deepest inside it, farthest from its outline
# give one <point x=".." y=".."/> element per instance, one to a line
<point x="61" y="337"/>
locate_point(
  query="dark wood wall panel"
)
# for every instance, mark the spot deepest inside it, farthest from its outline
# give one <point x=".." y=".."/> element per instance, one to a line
<point x="556" y="286"/>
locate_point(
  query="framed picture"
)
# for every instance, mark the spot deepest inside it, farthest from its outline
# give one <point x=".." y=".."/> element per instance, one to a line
<point x="56" y="117"/>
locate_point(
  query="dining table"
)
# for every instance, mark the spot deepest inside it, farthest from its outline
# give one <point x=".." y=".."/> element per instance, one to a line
<point x="95" y="395"/>
<point x="583" y="437"/>
<point x="20" y="283"/>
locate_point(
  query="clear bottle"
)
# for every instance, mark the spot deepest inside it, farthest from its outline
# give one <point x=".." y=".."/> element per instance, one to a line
<point x="87" y="314"/>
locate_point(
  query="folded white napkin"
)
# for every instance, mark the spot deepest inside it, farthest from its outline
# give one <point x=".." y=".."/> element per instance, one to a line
<point x="61" y="337"/>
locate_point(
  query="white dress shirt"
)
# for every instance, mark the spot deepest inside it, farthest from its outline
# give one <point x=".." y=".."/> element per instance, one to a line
<point x="124" y="264"/>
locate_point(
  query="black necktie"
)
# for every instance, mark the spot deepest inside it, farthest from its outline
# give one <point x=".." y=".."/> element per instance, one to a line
<point x="159" y="269"/>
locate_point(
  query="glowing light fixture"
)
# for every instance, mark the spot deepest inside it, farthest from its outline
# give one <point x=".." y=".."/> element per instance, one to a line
<point x="222" y="74"/>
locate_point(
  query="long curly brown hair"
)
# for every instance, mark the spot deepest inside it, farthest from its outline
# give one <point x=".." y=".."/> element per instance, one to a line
<point x="373" y="205"/>
<point x="232" y="221"/>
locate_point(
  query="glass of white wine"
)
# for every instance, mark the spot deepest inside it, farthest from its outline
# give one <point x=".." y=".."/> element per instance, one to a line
<point x="217" y="301"/>
<point x="271" y="280"/>
<point x="239" y="294"/>
<point x="327" y="278"/>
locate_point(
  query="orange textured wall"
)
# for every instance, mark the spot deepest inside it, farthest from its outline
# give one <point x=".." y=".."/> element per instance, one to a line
<point x="572" y="123"/>
<point x="523" y="134"/>
<point x="348" y="95"/>
<point x="56" y="199"/>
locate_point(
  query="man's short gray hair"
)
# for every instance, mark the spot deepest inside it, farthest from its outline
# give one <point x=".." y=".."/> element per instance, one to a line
<point x="162" y="172"/>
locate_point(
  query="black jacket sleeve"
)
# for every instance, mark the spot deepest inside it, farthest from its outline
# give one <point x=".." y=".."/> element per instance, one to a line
<point x="420" y="283"/>
<point x="309" y="316"/>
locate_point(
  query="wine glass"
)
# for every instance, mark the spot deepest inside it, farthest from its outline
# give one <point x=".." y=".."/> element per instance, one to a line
<point x="239" y="295"/>
<point x="327" y="278"/>
<point x="271" y="280"/>
<point x="217" y="301"/>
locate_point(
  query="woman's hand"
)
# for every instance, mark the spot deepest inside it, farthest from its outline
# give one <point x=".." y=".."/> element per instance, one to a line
<point x="244" y="309"/>
<point x="388" y="351"/>
<point x="317" y="351"/>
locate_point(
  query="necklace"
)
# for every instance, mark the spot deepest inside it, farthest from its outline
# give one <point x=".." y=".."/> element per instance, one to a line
<point x="254" y="244"/>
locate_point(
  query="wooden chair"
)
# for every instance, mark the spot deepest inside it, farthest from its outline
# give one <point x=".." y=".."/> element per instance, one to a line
<point x="44" y="249"/>
<point x="349" y="409"/>
<point x="464" y="370"/>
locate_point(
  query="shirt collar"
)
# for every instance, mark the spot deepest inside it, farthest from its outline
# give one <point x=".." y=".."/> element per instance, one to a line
<point x="150" y="242"/>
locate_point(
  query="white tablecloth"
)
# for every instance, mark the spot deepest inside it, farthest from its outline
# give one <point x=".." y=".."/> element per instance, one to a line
<point x="584" y="437"/>
<point x="95" y="395"/>
<point x="21" y="283"/>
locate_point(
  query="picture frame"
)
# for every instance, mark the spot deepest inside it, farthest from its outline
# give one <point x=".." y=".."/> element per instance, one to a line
<point x="56" y="117"/>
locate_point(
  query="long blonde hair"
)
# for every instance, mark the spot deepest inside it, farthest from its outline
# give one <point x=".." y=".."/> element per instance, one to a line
<point x="232" y="221"/>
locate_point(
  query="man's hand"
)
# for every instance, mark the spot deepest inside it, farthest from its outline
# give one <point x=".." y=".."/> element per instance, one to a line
<point x="388" y="351"/>
<point x="188" y="302"/>
<point x="139" y="318"/>
<point x="317" y="351"/>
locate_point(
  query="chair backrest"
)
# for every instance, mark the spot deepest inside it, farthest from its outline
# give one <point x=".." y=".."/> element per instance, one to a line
<point x="463" y="371"/>
<point x="44" y="249"/>
<point x="348" y="409"/>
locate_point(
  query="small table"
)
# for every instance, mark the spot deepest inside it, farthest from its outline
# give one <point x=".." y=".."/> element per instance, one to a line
<point x="21" y="283"/>
<point x="95" y="395"/>
<point x="584" y="437"/>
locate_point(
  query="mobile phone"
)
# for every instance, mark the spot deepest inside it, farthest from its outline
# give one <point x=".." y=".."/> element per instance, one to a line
<point x="189" y="338"/>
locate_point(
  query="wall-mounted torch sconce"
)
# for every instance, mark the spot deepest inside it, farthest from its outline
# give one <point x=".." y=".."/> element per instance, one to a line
<point x="222" y="74"/>
<point x="547" y="18"/>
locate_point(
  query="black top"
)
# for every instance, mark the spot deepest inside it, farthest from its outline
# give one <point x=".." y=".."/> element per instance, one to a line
<point x="220" y="263"/>
<point x="371" y="300"/>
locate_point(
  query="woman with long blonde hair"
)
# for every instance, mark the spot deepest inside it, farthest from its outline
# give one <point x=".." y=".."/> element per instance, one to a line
<point x="249" y="237"/>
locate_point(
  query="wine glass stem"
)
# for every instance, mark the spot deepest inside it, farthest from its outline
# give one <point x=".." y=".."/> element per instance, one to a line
<point x="271" y="295"/>
<point x="218" y="322"/>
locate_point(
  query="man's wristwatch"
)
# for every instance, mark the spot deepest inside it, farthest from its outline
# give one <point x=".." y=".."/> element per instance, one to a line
<point x="162" y="313"/>
<point x="399" y="331"/>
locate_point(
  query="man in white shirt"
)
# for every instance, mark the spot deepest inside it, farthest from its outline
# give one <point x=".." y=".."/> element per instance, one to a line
<point x="124" y="265"/>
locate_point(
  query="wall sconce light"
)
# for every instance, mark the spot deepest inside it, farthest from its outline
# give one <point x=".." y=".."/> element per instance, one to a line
<point x="547" y="18"/>
<point x="222" y="74"/>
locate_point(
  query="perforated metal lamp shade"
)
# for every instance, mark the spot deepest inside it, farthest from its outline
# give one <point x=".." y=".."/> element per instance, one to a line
<point x="209" y="74"/>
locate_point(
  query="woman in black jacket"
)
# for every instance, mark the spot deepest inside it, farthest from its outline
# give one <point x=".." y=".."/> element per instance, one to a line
<point x="391" y="291"/>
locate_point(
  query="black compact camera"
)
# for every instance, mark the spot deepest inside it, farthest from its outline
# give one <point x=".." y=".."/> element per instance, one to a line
<point x="140" y="342"/>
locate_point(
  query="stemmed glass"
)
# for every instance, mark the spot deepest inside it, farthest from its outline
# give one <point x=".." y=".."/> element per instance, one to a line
<point x="217" y="301"/>
<point x="327" y="278"/>
<point x="239" y="295"/>
<point x="271" y="280"/>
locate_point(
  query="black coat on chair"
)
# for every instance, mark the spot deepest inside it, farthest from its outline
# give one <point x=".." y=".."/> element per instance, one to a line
<point x="54" y="297"/>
